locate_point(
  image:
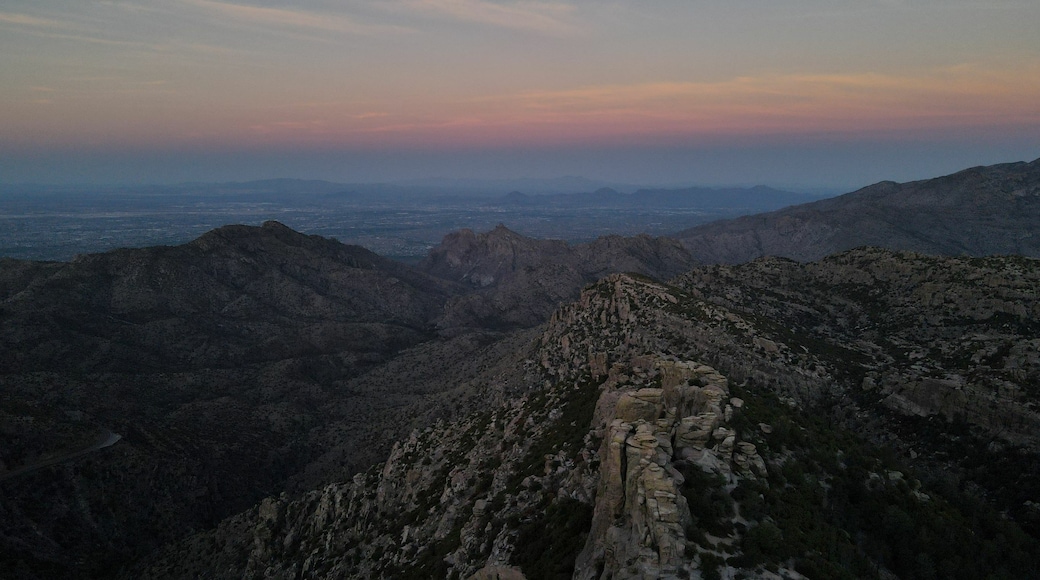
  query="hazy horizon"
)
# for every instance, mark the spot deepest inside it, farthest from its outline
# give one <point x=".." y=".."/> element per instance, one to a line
<point x="806" y="93"/>
<point x="809" y="181"/>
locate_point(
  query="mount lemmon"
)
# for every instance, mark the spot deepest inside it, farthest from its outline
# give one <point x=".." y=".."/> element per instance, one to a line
<point x="260" y="403"/>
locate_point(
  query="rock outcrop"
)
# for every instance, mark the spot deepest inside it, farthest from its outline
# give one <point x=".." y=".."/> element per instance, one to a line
<point x="626" y="453"/>
<point x="464" y="498"/>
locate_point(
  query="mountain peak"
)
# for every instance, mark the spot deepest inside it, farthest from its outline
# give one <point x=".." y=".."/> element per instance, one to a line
<point x="277" y="226"/>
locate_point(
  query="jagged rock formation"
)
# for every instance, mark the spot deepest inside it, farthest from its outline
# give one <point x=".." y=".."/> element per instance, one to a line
<point x="626" y="456"/>
<point x="463" y="497"/>
<point x="519" y="281"/>
<point x="978" y="212"/>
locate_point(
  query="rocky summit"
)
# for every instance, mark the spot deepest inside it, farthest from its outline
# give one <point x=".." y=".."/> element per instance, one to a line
<point x="739" y="422"/>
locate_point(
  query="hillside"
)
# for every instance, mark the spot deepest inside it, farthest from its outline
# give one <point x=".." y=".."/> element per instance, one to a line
<point x="744" y="421"/>
<point x="980" y="211"/>
<point x="517" y="281"/>
<point x="250" y="361"/>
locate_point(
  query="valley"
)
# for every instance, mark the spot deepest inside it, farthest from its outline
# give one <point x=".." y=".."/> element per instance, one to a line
<point x="404" y="222"/>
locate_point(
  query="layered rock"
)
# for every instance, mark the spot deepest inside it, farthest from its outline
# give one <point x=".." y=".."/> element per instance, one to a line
<point x="641" y="517"/>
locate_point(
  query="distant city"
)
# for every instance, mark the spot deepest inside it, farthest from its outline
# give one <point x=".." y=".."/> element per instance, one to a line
<point x="400" y="221"/>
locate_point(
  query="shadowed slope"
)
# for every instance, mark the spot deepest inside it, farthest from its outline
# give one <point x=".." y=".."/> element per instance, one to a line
<point x="518" y="281"/>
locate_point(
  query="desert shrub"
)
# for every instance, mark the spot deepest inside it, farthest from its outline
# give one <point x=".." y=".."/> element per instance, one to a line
<point x="548" y="546"/>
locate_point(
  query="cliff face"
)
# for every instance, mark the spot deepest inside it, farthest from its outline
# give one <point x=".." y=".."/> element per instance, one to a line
<point x="978" y="212"/>
<point x="729" y="423"/>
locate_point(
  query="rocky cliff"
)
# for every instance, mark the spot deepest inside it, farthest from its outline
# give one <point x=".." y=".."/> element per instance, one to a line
<point x="722" y="426"/>
<point x="977" y="212"/>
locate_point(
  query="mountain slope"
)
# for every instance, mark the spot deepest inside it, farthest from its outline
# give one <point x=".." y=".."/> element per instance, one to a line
<point x="214" y="361"/>
<point x="518" y="281"/>
<point x="979" y="211"/>
<point x="744" y="421"/>
<point x="235" y="295"/>
<point x="250" y="361"/>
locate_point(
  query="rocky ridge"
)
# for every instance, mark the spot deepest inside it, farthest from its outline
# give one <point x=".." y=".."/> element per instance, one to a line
<point x="590" y="445"/>
<point x="259" y="375"/>
<point x="951" y="338"/>
<point x="627" y="456"/>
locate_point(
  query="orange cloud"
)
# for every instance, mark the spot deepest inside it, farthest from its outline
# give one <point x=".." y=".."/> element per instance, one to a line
<point x="772" y="104"/>
<point x="965" y="96"/>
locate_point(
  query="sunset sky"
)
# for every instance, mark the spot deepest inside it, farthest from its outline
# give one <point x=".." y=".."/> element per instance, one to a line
<point x="783" y="92"/>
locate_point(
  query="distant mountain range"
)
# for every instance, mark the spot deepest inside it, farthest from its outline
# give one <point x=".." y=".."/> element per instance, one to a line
<point x="975" y="212"/>
<point x="730" y="199"/>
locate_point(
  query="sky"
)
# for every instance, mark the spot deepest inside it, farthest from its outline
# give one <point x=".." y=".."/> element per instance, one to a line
<point x="814" y="93"/>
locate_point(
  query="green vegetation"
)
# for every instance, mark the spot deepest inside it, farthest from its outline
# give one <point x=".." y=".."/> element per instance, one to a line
<point x="577" y="404"/>
<point x="710" y="505"/>
<point x="547" y="547"/>
<point x="548" y="541"/>
<point x="839" y="508"/>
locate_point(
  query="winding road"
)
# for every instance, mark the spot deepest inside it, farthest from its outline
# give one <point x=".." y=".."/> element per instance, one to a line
<point x="106" y="439"/>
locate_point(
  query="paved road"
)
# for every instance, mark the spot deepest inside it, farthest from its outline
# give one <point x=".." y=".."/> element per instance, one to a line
<point x="106" y="439"/>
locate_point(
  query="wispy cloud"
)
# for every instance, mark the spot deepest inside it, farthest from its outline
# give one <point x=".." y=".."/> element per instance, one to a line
<point x="94" y="39"/>
<point x="33" y="21"/>
<point x="281" y="18"/>
<point x="62" y="30"/>
<point x="792" y="104"/>
<point x="551" y="18"/>
<point x="961" y="92"/>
